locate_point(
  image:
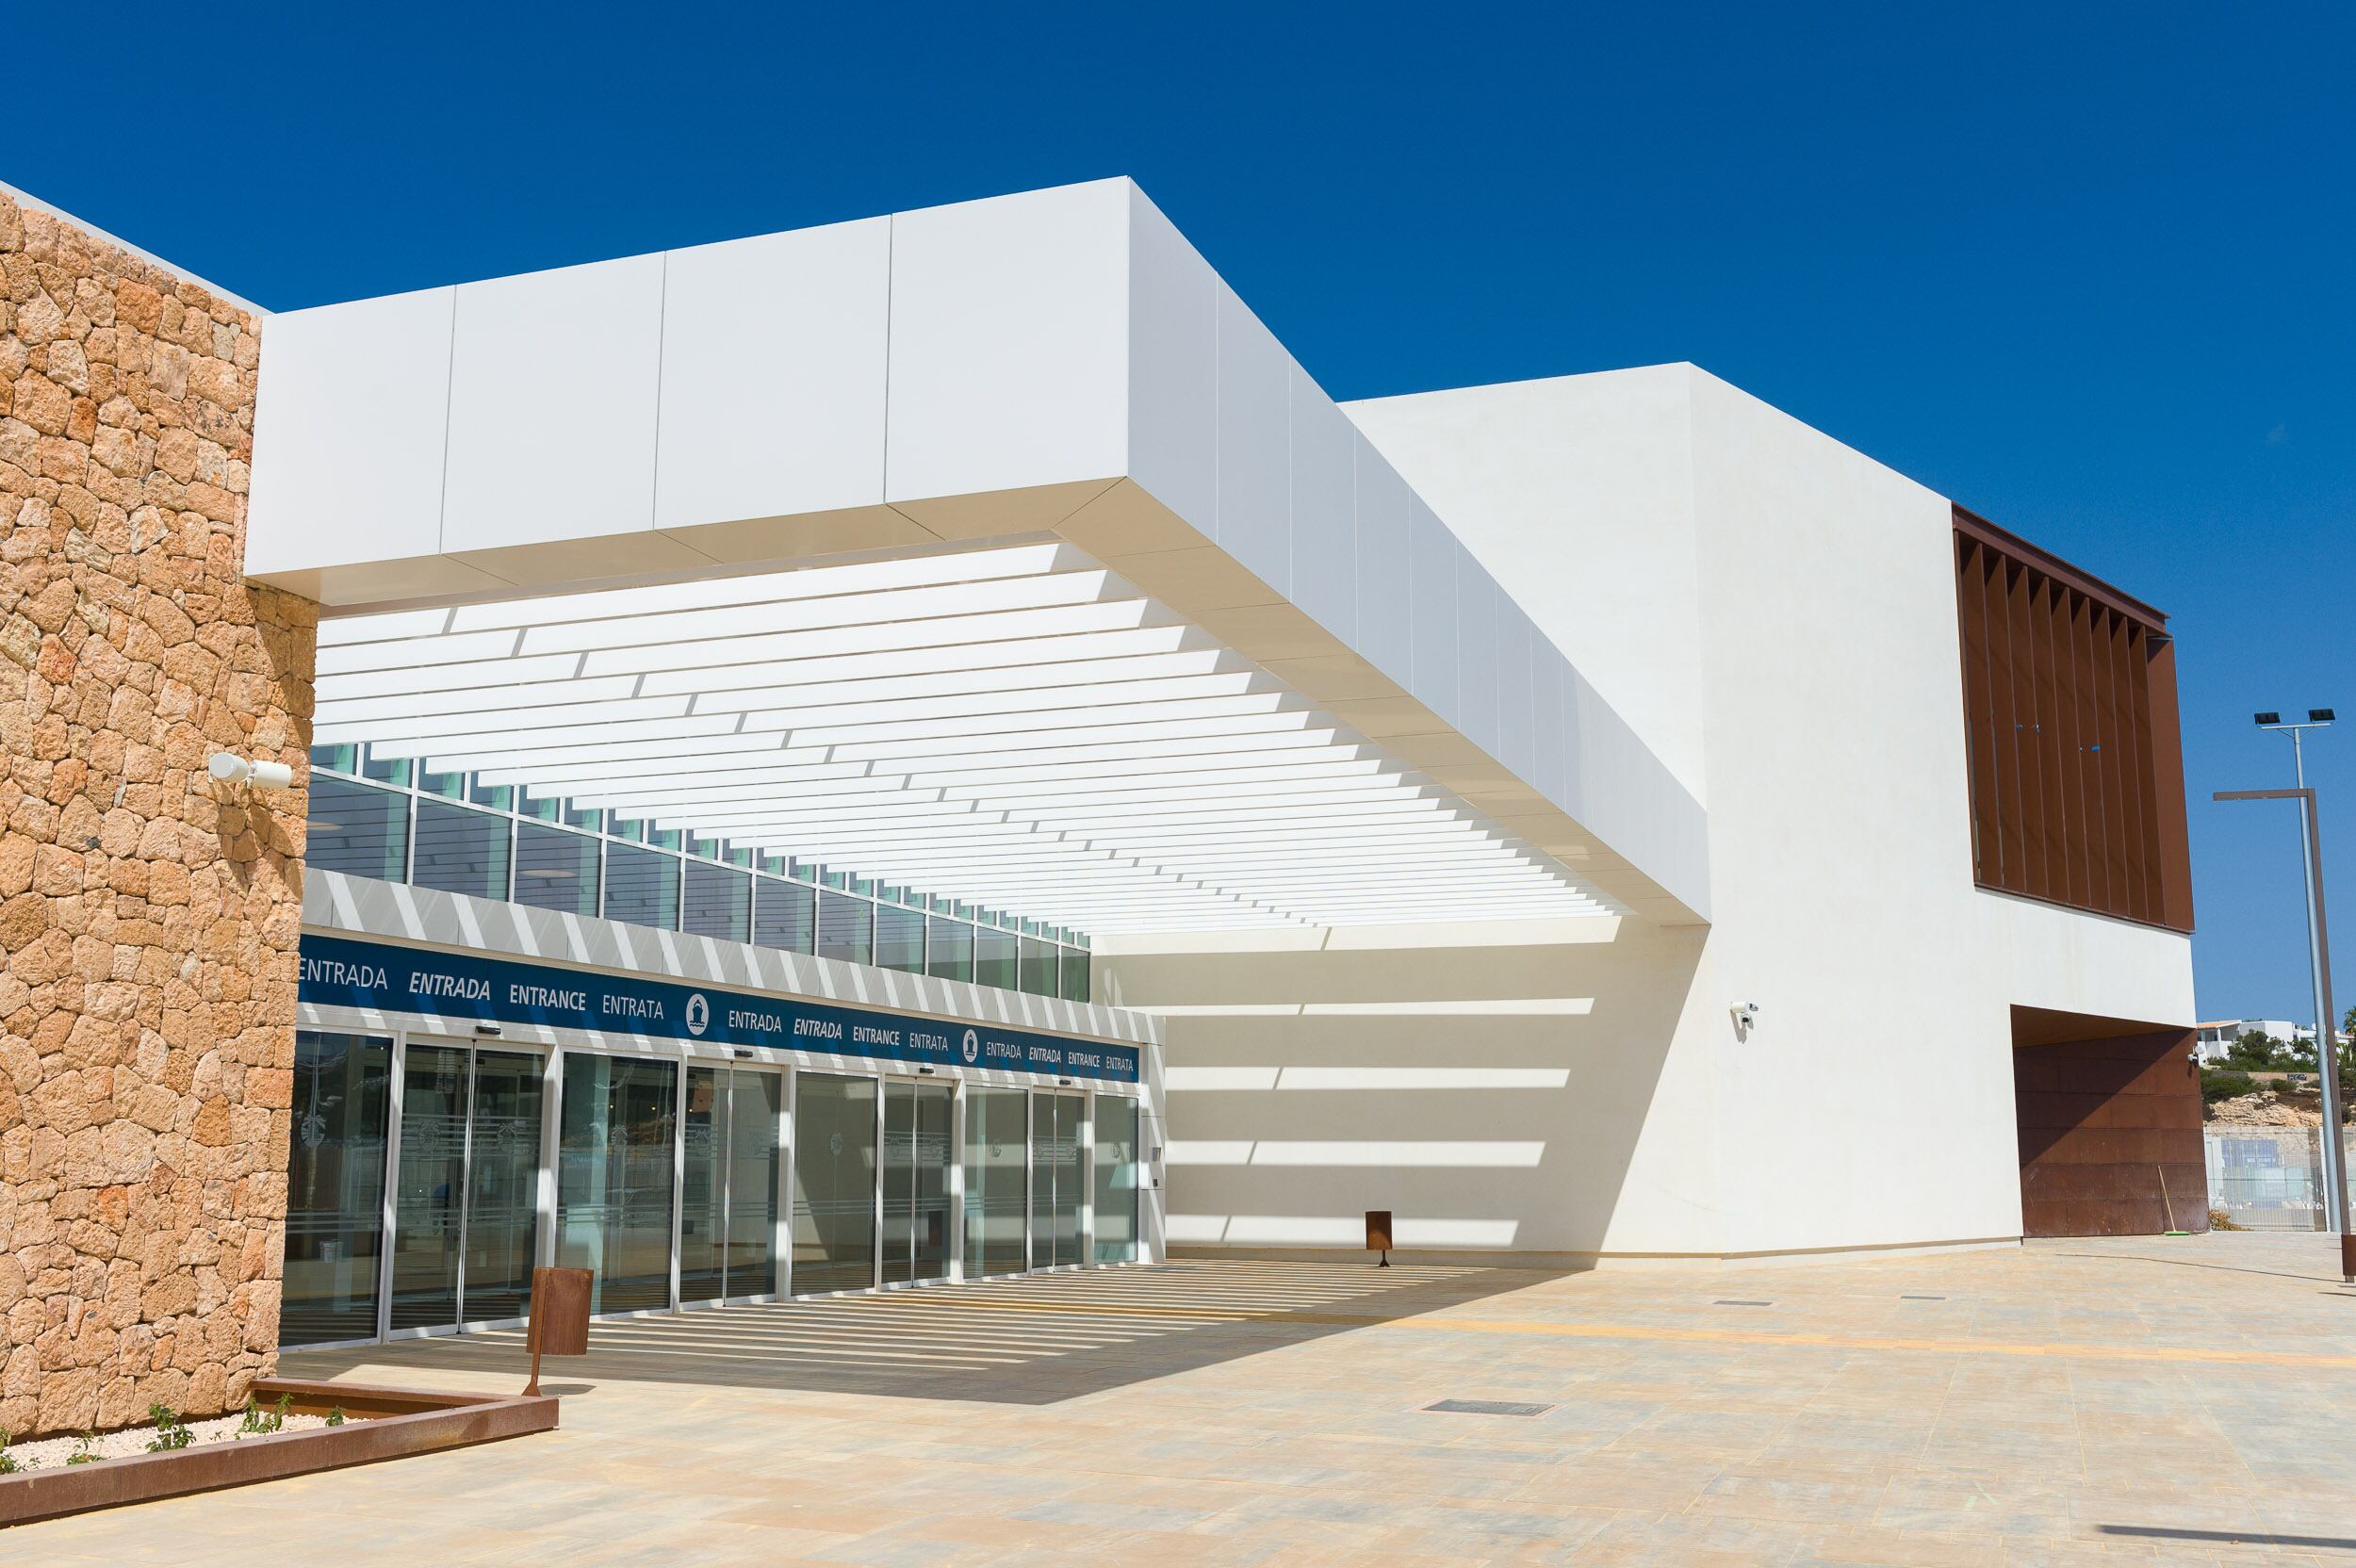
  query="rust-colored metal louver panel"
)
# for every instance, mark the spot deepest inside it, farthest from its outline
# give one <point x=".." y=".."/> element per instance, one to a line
<point x="2069" y="712"/>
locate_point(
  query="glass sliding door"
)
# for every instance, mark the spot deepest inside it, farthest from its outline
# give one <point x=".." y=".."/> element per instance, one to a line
<point x="334" y="1187"/>
<point x="996" y="1128"/>
<point x="703" y="1198"/>
<point x="431" y="1177"/>
<point x="916" y="1181"/>
<point x="756" y="1112"/>
<point x="834" y="1184"/>
<point x="1057" y="1167"/>
<point x="1116" y="1159"/>
<point x="502" y="1186"/>
<point x="728" y="1207"/>
<point x="614" y="1178"/>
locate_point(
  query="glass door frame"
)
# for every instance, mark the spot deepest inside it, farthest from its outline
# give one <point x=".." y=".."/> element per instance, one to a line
<point x="780" y="1225"/>
<point x="543" y="1238"/>
<point x="1085" y="1242"/>
<point x="954" y="1176"/>
<point x="552" y="1055"/>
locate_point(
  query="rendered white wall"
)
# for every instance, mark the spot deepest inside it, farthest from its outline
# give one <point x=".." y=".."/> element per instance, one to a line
<point x="1500" y="1088"/>
<point x="1774" y="615"/>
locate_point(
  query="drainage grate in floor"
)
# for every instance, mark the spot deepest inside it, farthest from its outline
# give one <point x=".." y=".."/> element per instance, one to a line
<point x="1488" y="1407"/>
<point x="1732" y="1304"/>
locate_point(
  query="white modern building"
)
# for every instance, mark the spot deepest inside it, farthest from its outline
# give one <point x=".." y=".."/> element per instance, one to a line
<point x="930" y="748"/>
<point x="2216" y="1038"/>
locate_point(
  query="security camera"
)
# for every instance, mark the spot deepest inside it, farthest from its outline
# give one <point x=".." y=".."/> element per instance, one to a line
<point x="1745" y="1014"/>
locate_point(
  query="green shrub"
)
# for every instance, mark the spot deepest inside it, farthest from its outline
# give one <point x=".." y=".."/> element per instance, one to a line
<point x="171" y="1433"/>
<point x="2224" y="1084"/>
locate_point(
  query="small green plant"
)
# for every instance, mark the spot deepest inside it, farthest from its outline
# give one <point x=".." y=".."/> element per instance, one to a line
<point x="171" y="1433"/>
<point x="10" y="1463"/>
<point x="85" y="1448"/>
<point x="335" y="1415"/>
<point x="260" y="1421"/>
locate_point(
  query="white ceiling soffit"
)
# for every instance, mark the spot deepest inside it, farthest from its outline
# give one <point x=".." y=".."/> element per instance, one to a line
<point x="1017" y="726"/>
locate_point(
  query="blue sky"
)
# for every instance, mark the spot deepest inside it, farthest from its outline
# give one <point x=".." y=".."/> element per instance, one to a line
<point x="2085" y="268"/>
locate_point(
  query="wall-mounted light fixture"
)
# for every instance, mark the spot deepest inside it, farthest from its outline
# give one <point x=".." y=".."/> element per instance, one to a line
<point x="228" y="768"/>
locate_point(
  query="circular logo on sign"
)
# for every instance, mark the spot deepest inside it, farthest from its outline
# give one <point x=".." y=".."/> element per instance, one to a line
<point x="313" y="1131"/>
<point x="972" y="1048"/>
<point x="698" y="1015"/>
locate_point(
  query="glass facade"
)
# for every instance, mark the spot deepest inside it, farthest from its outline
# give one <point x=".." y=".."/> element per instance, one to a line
<point x="461" y="851"/>
<point x="614" y="1178"/>
<point x="1114" y="1154"/>
<point x="997" y="1129"/>
<point x="899" y="938"/>
<point x="1057" y="1159"/>
<point x="450" y="832"/>
<point x="335" y="1187"/>
<point x="916" y="1181"/>
<point x="555" y="870"/>
<point x="447" y="1135"/>
<point x="834" y="1184"/>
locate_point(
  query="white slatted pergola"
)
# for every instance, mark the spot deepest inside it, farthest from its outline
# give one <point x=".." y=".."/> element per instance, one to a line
<point x="1012" y="726"/>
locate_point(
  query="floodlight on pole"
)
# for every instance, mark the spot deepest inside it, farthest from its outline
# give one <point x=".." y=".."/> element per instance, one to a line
<point x="2327" y="1052"/>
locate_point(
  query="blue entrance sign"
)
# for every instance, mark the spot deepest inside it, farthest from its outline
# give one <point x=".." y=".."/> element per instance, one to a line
<point x="340" y="971"/>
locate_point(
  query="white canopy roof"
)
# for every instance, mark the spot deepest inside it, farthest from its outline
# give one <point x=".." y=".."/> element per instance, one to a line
<point x="1016" y="725"/>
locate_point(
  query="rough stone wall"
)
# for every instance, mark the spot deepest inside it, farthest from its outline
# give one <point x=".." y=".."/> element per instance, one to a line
<point x="148" y="916"/>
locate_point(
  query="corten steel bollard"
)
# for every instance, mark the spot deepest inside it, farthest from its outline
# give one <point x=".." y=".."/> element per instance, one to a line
<point x="560" y="1317"/>
<point x="1378" y="1234"/>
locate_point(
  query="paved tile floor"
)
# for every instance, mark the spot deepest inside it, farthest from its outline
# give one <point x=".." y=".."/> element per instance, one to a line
<point x="2189" y="1400"/>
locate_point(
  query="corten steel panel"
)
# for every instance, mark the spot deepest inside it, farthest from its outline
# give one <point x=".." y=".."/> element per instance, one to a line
<point x="2110" y="1136"/>
<point x="2109" y="764"/>
<point x="2003" y="744"/>
<point x="2070" y="714"/>
<point x="2019" y="635"/>
<point x="1979" y="708"/>
<point x="2167" y="784"/>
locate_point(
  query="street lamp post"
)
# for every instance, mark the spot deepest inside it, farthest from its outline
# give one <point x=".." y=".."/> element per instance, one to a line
<point x="2318" y="718"/>
<point x="2327" y="1053"/>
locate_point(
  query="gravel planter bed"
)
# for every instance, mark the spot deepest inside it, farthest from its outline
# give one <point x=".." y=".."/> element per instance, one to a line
<point x="379" y="1424"/>
<point x="54" y="1452"/>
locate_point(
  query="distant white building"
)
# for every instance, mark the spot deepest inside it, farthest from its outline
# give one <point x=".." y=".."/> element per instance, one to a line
<point x="2213" y="1041"/>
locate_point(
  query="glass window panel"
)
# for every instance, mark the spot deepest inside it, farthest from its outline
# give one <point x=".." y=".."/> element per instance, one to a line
<point x="995" y="958"/>
<point x="1116" y="1179"/>
<point x="641" y="887"/>
<point x="343" y="758"/>
<point x="834" y="1184"/>
<point x="460" y="851"/>
<point x="614" y="1178"/>
<point x="451" y="786"/>
<point x="845" y="928"/>
<point x="556" y="870"/>
<point x="899" y="938"/>
<point x="784" y="915"/>
<point x="430" y="1185"/>
<point x="503" y="1187"/>
<point x="357" y="828"/>
<point x="719" y="901"/>
<point x="334" y="1187"/>
<point x="387" y="770"/>
<point x="703" y="1214"/>
<point x="1038" y="967"/>
<point x="948" y="949"/>
<point x="996" y="1125"/>
<point x="756" y="1113"/>
<point x="1073" y="966"/>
